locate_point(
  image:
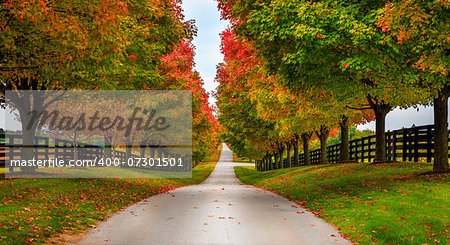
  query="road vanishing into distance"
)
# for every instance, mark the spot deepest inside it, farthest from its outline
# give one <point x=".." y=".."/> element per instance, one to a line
<point x="221" y="210"/>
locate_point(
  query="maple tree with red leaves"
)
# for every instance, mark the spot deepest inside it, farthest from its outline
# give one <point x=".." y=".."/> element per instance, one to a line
<point x="177" y="68"/>
<point x="107" y="45"/>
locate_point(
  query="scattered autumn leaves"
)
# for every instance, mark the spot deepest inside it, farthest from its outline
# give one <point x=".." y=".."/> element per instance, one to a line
<point x="381" y="204"/>
<point x="34" y="210"/>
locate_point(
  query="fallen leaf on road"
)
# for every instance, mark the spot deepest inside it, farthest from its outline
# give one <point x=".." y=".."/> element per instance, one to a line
<point x="275" y="205"/>
<point x="205" y="224"/>
<point x="107" y="240"/>
<point x="221" y="217"/>
<point x="230" y="217"/>
<point x="294" y="206"/>
<point x="205" y="231"/>
<point x="301" y="212"/>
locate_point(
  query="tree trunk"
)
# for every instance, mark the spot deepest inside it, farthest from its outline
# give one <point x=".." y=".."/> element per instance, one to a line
<point x="128" y="148"/>
<point x="288" y="154"/>
<point x="344" y="146"/>
<point x="142" y="149"/>
<point x="28" y="134"/>
<point x="280" y="152"/>
<point x="305" y="139"/>
<point x="381" y="109"/>
<point x="323" y="136"/>
<point x="276" y="161"/>
<point x="27" y="152"/>
<point x="107" y="150"/>
<point x="295" y="144"/>
<point x="441" y="132"/>
<point x="270" y="163"/>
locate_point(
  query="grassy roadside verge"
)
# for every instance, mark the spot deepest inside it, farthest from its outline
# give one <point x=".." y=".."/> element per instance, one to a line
<point x="371" y="204"/>
<point x="35" y="210"/>
<point x="238" y="159"/>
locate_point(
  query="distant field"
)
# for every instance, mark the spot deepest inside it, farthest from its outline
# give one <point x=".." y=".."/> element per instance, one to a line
<point x="371" y="204"/>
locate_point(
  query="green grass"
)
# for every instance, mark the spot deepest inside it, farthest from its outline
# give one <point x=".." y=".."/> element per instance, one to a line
<point x="36" y="210"/>
<point x="371" y="204"/>
<point x="239" y="159"/>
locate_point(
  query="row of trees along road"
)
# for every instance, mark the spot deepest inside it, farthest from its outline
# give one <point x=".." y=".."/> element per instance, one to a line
<point x="297" y="69"/>
<point x="127" y="44"/>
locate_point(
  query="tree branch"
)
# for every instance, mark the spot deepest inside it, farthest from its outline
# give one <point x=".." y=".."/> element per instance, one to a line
<point x="360" y="108"/>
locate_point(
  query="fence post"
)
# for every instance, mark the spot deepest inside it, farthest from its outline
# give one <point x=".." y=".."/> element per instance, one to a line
<point x="429" y="146"/>
<point x="416" y="145"/>
<point x="404" y="153"/>
<point x="362" y="150"/>
<point x="389" y="146"/>
<point x="394" y="146"/>
<point x="351" y="150"/>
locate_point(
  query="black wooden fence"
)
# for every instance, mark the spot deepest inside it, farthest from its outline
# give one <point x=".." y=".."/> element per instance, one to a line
<point x="408" y="144"/>
<point x="65" y="150"/>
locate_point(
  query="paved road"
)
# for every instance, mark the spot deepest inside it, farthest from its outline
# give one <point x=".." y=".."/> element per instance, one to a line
<point x="222" y="210"/>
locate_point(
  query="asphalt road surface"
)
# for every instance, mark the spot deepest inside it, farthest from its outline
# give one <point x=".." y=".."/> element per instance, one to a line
<point x="221" y="210"/>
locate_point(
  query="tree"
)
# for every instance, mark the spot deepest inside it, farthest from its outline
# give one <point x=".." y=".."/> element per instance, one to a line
<point x="247" y="134"/>
<point x="333" y="46"/>
<point x="178" y="69"/>
<point x="48" y="45"/>
<point x="420" y="31"/>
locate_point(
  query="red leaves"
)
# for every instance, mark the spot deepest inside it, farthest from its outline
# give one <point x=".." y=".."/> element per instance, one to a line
<point x="132" y="57"/>
<point x="319" y="36"/>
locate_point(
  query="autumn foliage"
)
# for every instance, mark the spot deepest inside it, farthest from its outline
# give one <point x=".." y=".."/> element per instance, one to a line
<point x="107" y="45"/>
<point x="311" y="66"/>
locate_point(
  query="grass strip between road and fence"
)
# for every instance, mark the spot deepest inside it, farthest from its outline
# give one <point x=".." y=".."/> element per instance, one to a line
<point x="371" y="204"/>
<point x="40" y="210"/>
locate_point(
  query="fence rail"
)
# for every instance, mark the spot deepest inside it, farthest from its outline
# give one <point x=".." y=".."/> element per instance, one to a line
<point x="408" y="144"/>
<point x="11" y="144"/>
